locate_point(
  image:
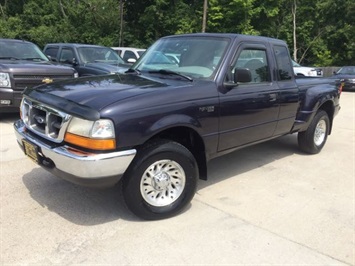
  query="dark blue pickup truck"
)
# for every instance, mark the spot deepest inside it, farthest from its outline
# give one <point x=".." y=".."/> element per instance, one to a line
<point x="86" y="59"/>
<point x="156" y="126"/>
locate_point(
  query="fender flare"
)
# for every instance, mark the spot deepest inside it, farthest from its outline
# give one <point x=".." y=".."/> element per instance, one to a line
<point x="172" y="121"/>
<point x="317" y="97"/>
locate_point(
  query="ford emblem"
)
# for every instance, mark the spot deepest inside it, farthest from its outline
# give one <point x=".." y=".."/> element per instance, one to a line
<point x="39" y="119"/>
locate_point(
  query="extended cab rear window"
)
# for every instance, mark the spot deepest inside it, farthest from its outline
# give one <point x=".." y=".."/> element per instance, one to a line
<point x="285" y="71"/>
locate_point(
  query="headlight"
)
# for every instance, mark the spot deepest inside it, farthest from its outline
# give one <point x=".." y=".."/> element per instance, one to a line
<point x="312" y="72"/>
<point x="5" y="80"/>
<point x="95" y="135"/>
<point x="351" y="80"/>
<point x="76" y="75"/>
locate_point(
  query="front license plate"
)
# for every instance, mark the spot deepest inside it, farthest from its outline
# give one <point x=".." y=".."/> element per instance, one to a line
<point x="31" y="150"/>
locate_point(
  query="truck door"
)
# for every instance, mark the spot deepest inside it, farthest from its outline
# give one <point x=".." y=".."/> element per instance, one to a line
<point x="249" y="111"/>
<point x="67" y="57"/>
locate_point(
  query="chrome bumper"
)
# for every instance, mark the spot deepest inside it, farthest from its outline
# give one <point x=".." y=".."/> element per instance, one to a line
<point x="98" y="170"/>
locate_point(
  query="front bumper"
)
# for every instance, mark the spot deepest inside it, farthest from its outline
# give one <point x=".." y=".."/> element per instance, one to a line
<point x="349" y="86"/>
<point x="9" y="100"/>
<point x="82" y="168"/>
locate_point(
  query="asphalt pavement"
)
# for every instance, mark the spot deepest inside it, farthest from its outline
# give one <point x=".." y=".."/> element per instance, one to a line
<point x="268" y="204"/>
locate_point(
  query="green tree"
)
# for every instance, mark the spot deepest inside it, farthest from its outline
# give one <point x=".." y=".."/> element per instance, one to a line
<point x="324" y="28"/>
<point x="146" y="21"/>
<point x="232" y="16"/>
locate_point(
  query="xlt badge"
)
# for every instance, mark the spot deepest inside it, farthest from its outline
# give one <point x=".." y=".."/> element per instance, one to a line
<point x="208" y="109"/>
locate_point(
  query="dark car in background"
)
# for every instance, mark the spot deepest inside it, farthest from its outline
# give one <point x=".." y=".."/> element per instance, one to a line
<point x="346" y="74"/>
<point x="88" y="60"/>
<point x="23" y="65"/>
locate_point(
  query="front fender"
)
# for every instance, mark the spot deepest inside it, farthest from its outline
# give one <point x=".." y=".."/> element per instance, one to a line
<point x="133" y="131"/>
<point x="174" y="120"/>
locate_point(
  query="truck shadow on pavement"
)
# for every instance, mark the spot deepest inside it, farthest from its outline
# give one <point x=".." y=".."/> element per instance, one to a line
<point x="77" y="204"/>
<point x="9" y="117"/>
<point x="85" y="206"/>
<point x="250" y="158"/>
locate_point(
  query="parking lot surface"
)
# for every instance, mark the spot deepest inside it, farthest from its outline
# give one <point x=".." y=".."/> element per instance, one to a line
<point x="267" y="204"/>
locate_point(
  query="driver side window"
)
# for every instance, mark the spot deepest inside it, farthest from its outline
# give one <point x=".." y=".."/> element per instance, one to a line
<point x="66" y="56"/>
<point x="256" y="62"/>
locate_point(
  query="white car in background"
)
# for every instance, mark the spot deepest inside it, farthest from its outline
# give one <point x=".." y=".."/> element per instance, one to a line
<point x="129" y="54"/>
<point x="306" y="71"/>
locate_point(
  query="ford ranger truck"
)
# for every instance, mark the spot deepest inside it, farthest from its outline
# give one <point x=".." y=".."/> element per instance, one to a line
<point x="155" y="127"/>
<point x="22" y="65"/>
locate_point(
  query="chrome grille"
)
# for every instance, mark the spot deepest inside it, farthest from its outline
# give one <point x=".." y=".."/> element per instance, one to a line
<point x="44" y="120"/>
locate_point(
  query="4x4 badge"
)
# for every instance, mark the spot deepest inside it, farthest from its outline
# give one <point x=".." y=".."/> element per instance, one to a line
<point x="47" y="80"/>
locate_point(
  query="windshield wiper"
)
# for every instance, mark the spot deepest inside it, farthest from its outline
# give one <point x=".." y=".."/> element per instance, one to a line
<point x="169" y="72"/>
<point x="132" y="70"/>
<point x="10" y="57"/>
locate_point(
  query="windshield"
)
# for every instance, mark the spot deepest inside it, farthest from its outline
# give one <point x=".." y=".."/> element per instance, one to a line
<point x="347" y="70"/>
<point x="196" y="57"/>
<point x="21" y="51"/>
<point x="99" y="55"/>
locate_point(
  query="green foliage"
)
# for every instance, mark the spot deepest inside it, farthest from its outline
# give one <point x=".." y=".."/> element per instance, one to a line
<point x="324" y="28"/>
<point x="232" y="16"/>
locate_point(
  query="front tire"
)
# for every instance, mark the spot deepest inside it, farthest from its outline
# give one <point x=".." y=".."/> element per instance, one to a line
<point x="161" y="180"/>
<point x="314" y="138"/>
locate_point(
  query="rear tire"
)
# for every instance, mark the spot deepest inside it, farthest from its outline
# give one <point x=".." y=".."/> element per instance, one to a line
<point x="314" y="138"/>
<point x="161" y="180"/>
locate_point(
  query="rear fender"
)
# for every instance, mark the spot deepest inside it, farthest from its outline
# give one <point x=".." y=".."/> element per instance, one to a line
<point x="324" y="97"/>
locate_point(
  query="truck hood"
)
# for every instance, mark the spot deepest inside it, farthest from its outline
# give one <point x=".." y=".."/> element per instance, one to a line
<point x="92" y="93"/>
<point x="110" y="68"/>
<point x="33" y="68"/>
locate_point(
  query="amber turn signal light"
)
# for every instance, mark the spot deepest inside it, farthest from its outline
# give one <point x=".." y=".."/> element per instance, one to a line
<point x="93" y="144"/>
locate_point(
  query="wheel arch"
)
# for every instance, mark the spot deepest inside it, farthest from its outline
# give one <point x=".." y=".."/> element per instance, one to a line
<point x="191" y="139"/>
<point x="328" y="107"/>
<point x="318" y="97"/>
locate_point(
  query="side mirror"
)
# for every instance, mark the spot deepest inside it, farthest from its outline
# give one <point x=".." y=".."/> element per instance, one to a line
<point x="74" y="62"/>
<point x="52" y="59"/>
<point x="242" y="75"/>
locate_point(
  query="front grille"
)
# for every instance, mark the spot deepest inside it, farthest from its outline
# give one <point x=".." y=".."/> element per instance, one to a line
<point x="41" y="77"/>
<point x="44" y="121"/>
<point x="23" y="81"/>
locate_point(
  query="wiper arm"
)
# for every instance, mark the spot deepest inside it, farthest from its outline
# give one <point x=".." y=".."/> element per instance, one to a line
<point x="169" y="72"/>
<point x="132" y="70"/>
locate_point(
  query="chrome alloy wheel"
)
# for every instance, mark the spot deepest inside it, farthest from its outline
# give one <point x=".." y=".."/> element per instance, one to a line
<point x="320" y="132"/>
<point x="162" y="183"/>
